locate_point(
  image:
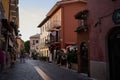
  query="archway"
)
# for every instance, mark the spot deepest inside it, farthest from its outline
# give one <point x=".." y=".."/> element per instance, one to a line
<point x="84" y="58"/>
<point x="114" y="53"/>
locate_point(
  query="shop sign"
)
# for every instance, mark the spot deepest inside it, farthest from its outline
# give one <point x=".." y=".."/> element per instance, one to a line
<point x="116" y="16"/>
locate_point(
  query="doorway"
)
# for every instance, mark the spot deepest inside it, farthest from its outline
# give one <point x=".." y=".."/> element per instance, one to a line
<point x="84" y="58"/>
<point x="114" y="53"/>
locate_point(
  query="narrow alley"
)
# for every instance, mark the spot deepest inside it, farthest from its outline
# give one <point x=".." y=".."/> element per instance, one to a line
<point x="39" y="70"/>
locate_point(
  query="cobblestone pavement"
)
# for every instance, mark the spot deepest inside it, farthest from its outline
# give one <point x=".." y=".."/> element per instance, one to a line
<point x="20" y="71"/>
<point x="37" y="70"/>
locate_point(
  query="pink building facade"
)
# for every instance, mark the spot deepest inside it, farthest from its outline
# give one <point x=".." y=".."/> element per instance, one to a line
<point x="104" y="39"/>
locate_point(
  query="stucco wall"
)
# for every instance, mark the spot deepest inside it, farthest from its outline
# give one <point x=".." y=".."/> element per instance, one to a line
<point x="5" y="4"/>
<point x="98" y="33"/>
<point x="100" y="11"/>
<point x="70" y="23"/>
<point x="98" y="70"/>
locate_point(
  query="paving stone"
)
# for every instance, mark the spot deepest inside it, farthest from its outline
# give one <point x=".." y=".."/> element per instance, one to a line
<point x="26" y="71"/>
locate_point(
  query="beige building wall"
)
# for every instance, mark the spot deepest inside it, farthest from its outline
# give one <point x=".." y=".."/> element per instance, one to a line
<point x="44" y="35"/>
<point x="55" y="19"/>
<point x="20" y="47"/>
<point x="11" y="10"/>
<point x="34" y="44"/>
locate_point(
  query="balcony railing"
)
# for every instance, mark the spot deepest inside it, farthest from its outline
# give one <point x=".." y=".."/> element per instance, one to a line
<point x="82" y="17"/>
<point x="14" y="2"/>
<point x="48" y="42"/>
<point x="42" y="44"/>
<point x="54" y="38"/>
<point x="12" y="7"/>
<point x="14" y="11"/>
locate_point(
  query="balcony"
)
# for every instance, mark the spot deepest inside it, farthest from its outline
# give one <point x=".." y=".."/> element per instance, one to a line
<point x="48" y="42"/>
<point x="14" y="11"/>
<point x="54" y="38"/>
<point x="42" y="45"/>
<point x="54" y="26"/>
<point x="81" y="28"/>
<point x="82" y="15"/>
<point x="52" y="29"/>
<point x="12" y="7"/>
<point x="82" y="18"/>
<point x="14" y="2"/>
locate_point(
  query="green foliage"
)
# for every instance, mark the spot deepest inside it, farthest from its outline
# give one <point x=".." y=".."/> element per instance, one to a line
<point x="35" y="55"/>
<point x="27" y="46"/>
<point x="44" y="58"/>
<point x="72" y="57"/>
<point x="60" y="52"/>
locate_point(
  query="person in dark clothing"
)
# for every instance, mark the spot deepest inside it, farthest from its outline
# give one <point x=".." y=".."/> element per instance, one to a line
<point x="2" y="60"/>
<point x="22" y="57"/>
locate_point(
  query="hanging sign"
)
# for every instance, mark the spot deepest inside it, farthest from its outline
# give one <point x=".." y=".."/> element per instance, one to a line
<point x="116" y="16"/>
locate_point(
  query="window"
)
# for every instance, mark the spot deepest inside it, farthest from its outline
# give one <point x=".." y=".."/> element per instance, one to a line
<point x="33" y="42"/>
<point x="57" y="19"/>
<point x="36" y="41"/>
<point x="36" y="47"/>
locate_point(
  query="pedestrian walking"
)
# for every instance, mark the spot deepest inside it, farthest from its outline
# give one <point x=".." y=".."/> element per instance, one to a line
<point x="2" y="60"/>
<point x="12" y="59"/>
<point x="22" y="57"/>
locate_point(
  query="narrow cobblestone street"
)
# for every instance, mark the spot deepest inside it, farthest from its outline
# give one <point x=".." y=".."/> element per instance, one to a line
<point x="38" y="70"/>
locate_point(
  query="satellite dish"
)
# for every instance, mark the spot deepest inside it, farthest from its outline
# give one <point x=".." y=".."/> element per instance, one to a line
<point x="54" y="33"/>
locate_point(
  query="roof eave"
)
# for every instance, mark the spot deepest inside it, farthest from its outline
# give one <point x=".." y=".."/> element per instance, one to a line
<point x="45" y="19"/>
<point x="58" y="4"/>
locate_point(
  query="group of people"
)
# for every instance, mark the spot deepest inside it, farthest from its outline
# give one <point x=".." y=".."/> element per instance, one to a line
<point x="66" y="58"/>
<point x="7" y="59"/>
<point x="22" y="57"/>
<point x="61" y="59"/>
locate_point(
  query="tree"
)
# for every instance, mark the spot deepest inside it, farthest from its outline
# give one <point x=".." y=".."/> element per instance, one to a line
<point x="27" y="46"/>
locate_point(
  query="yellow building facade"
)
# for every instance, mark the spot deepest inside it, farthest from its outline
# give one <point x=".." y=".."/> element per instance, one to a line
<point x="20" y="43"/>
<point x="9" y="23"/>
<point x="6" y="7"/>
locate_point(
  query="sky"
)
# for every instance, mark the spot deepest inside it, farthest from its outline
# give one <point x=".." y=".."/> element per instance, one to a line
<point x="31" y="13"/>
